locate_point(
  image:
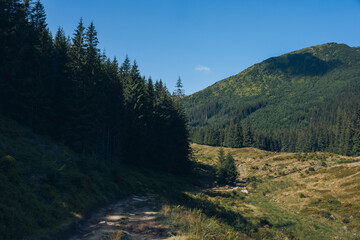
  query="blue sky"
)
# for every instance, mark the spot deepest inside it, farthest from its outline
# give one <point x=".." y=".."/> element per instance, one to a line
<point x="204" y="41"/>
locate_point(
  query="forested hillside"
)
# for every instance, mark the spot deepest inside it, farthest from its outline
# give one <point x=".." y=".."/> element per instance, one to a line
<point x="68" y="89"/>
<point x="306" y="100"/>
<point x="77" y="129"/>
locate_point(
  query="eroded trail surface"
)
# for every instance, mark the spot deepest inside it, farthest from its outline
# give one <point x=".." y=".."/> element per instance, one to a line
<point x="130" y="218"/>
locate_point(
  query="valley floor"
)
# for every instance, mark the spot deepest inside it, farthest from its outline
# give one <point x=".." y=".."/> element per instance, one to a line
<point x="278" y="196"/>
<point x="289" y="195"/>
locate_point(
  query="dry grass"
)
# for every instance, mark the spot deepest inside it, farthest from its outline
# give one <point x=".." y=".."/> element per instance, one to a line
<point x="194" y="224"/>
<point x="118" y="235"/>
<point x="314" y="188"/>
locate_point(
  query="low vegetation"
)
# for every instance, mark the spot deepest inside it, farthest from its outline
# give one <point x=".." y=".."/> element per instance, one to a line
<point x="285" y="199"/>
<point x="46" y="188"/>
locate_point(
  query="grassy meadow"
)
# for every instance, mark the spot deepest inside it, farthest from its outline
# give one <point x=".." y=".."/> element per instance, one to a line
<point x="291" y="196"/>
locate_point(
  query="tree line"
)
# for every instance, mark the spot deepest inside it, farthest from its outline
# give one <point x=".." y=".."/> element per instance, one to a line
<point x="233" y="135"/>
<point x="68" y="89"/>
<point x="333" y="127"/>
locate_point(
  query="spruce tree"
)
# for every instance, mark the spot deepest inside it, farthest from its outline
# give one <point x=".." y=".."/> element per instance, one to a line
<point x="230" y="168"/>
<point x="248" y="137"/>
<point x="238" y="135"/>
<point x="220" y="170"/>
<point x="125" y="69"/>
<point x="226" y="172"/>
<point x="63" y="85"/>
<point x="78" y="127"/>
<point x="179" y="91"/>
<point x="356" y="137"/>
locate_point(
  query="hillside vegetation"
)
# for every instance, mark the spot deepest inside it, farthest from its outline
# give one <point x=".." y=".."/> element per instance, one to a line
<point x="290" y="196"/>
<point x="303" y="101"/>
<point x="46" y="187"/>
<point x="280" y="92"/>
<point x="77" y="128"/>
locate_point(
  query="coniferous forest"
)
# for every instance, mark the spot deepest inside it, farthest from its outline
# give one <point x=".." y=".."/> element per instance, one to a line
<point x="66" y="88"/>
<point x="338" y="132"/>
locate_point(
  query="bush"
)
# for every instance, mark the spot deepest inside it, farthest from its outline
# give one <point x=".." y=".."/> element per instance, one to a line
<point x="301" y="195"/>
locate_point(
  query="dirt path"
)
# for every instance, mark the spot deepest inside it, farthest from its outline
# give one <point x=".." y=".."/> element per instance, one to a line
<point x="130" y="218"/>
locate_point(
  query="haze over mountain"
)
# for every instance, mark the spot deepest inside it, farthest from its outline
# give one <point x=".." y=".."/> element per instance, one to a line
<point x="280" y="92"/>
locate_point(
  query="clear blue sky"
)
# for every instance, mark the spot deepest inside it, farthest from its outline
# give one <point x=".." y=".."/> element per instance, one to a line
<point x="205" y="41"/>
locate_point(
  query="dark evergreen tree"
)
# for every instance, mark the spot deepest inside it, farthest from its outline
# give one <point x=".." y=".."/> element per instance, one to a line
<point x="125" y="69"/>
<point x="356" y="137"/>
<point x="238" y="136"/>
<point x="248" y="136"/>
<point x="75" y="130"/>
<point x="62" y="87"/>
<point x="179" y="91"/>
<point x="226" y="172"/>
<point x="220" y="170"/>
<point x="231" y="172"/>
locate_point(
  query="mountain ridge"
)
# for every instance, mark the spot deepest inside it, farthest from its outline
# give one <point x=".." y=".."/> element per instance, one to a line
<point x="297" y="80"/>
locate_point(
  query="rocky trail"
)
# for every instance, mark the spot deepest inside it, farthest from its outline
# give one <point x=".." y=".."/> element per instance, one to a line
<point x="132" y="218"/>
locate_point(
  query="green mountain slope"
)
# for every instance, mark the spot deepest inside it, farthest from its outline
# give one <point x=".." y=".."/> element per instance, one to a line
<point x="280" y="92"/>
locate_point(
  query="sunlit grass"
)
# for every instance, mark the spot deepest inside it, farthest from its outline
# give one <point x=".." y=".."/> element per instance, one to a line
<point x="291" y="196"/>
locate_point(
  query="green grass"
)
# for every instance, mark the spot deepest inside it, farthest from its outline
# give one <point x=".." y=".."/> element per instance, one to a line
<point x="321" y="204"/>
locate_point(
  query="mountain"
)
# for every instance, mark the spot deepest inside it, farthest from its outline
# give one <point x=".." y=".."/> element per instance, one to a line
<point x="281" y="92"/>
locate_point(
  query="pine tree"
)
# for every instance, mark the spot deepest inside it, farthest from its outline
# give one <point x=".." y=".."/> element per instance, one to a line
<point x="78" y="125"/>
<point x="113" y="110"/>
<point x="238" y="135"/>
<point x="220" y="170"/>
<point x="38" y="17"/>
<point x="356" y="137"/>
<point x="62" y="87"/>
<point x="248" y="137"/>
<point x="135" y="100"/>
<point x="230" y="135"/>
<point x="338" y="129"/>
<point x="226" y="172"/>
<point x="94" y="90"/>
<point x="179" y="91"/>
<point x="125" y="69"/>
<point x="231" y="172"/>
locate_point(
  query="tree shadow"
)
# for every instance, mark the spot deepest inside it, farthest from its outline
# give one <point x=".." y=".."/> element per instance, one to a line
<point x="233" y="219"/>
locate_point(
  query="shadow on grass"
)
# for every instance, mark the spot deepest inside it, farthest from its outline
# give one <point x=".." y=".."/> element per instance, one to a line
<point x="233" y="219"/>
